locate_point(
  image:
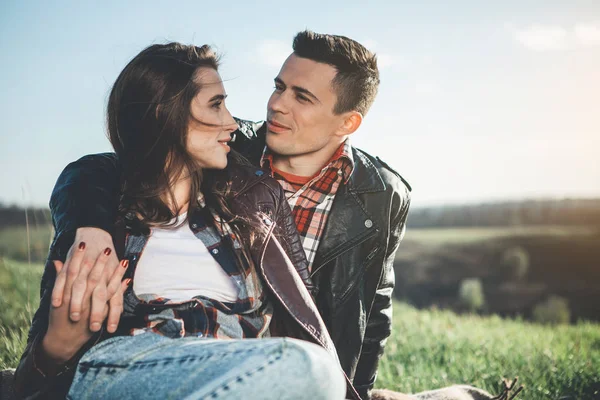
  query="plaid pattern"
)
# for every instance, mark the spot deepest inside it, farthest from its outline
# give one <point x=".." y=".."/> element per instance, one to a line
<point x="248" y="317"/>
<point x="312" y="202"/>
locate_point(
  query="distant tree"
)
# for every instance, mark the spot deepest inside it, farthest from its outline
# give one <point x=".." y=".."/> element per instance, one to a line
<point x="471" y="294"/>
<point x="515" y="261"/>
<point x="555" y="310"/>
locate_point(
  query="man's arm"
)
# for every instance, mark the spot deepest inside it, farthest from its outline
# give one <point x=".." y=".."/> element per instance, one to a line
<point x="84" y="207"/>
<point x="86" y="194"/>
<point x="380" y="320"/>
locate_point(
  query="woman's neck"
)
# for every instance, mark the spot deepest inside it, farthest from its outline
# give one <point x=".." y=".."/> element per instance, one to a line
<point x="181" y="195"/>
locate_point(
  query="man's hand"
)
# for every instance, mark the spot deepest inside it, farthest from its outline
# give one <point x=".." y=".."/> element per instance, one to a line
<point x="91" y="246"/>
<point x="64" y="337"/>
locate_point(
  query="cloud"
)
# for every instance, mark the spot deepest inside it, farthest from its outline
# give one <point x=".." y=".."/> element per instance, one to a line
<point x="273" y="52"/>
<point x="555" y="37"/>
<point x="384" y="59"/>
<point x="542" y="38"/>
<point x="426" y="87"/>
<point x="588" y="34"/>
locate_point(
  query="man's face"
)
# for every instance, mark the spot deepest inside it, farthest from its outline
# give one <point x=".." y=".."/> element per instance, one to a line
<point x="300" y="118"/>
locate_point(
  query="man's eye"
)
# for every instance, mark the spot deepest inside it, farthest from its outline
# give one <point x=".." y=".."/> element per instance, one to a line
<point x="278" y="88"/>
<point x="303" y="98"/>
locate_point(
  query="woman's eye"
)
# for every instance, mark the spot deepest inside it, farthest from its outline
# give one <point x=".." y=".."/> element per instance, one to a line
<point x="217" y="105"/>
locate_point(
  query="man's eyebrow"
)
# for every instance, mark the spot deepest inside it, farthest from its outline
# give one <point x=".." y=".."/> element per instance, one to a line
<point x="299" y="89"/>
<point x="217" y="97"/>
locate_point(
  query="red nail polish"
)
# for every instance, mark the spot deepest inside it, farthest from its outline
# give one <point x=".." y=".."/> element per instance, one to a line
<point x="128" y="281"/>
<point x="107" y="251"/>
<point x="81" y="245"/>
<point x="125" y="263"/>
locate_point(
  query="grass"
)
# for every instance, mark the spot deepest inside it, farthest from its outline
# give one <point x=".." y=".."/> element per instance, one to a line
<point x="428" y="348"/>
<point x="433" y="348"/>
<point x="15" y="245"/>
<point x="433" y="237"/>
<point x="19" y="298"/>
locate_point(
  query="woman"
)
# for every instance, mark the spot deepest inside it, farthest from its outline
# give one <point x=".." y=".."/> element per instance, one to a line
<point x="201" y="262"/>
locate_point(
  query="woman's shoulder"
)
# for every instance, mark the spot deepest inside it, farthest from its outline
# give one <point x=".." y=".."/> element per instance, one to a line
<point x="253" y="181"/>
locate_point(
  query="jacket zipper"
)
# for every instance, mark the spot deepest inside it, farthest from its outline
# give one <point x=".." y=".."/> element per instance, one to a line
<point x="369" y="236"/>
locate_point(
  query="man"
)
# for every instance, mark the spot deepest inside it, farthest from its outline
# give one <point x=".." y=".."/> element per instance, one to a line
<point x="350" y="208"/>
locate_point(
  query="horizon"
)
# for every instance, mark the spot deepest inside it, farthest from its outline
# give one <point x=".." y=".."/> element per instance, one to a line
<point x="490" y="202"/>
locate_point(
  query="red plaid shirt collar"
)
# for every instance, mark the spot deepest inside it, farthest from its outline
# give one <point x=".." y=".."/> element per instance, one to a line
<point x="342" y="160"/>
<point x="311" y="203"/>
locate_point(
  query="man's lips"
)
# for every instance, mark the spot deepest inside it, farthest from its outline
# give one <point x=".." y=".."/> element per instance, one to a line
<point x="276" y="127"/>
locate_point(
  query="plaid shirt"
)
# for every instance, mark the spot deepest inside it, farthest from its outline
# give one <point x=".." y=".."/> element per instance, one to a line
<point x="312" y="202"/>
<point x="248" y="317"/>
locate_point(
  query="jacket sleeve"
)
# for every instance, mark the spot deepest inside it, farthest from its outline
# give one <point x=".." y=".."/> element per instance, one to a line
<point x="86" y="194"/>
<point x="30" y="382"/>
<point x="380" y="319"/>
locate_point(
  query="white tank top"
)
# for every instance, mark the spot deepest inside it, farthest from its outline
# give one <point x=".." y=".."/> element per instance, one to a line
<point x="176" y="265"/>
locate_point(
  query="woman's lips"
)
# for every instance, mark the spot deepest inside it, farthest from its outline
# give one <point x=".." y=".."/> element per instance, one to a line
<point x="225" y="143"/>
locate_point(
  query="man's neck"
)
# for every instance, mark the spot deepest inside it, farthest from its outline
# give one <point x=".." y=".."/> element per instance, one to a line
<point x="306" y="164"/>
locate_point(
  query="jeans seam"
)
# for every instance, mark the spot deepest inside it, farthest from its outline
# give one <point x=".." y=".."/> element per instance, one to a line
<point x="99" y="365"/>
<point x="271" y="359"/>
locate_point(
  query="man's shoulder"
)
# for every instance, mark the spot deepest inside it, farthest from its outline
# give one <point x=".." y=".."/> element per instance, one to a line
<point x="390" y="176"/>
<point x="249" y="139"/>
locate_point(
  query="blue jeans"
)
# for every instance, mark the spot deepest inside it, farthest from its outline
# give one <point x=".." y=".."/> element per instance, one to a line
<point x="151" y="366"/>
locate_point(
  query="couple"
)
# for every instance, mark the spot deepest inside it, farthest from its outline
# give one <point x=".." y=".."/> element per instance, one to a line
<point x="304" y="295"/>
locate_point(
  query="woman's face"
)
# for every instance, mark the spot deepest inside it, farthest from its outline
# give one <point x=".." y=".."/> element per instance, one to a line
<point x="211" y="124"/>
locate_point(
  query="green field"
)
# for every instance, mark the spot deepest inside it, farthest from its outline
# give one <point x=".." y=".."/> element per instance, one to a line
<point x="428" y="348"/>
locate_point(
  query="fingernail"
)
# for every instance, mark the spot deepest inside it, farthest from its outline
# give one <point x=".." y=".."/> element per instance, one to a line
<point x="125" y="263"/>
<point x="107" y="251"/>
<point x="75" y="315"/>
<point x="95" y="326"/>
<point x="128" y="282"/>
<point x="81" y="245"/>
<point x="112" y="327"/>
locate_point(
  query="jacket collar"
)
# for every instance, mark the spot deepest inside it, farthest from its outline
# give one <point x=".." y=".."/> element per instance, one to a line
<point x="243" y="177"/>
<point x="349" y="222"/>
<point x="365" y="178"/>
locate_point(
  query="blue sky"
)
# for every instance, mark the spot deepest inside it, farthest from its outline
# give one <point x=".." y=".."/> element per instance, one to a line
<point x="477" y="102"/>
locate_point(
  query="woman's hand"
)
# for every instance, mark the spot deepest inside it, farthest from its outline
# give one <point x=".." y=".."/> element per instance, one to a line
<point x="64" y="336"/>
<point x="72" y="283"/>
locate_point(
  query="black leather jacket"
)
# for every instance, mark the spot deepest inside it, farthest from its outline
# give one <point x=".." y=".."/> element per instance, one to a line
<point x="352" y="273"/>
<point x="353" y="270"/>
<point x="277" y="254"/>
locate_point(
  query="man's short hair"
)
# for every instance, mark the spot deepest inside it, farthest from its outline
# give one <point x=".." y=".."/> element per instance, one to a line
<point x="357" y="78"/>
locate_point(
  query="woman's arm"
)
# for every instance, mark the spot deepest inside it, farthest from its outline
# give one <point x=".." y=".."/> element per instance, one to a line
<point x="55" y="343"/>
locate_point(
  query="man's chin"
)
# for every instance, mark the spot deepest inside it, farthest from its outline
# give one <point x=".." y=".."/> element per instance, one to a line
<point x="277" y="146"/>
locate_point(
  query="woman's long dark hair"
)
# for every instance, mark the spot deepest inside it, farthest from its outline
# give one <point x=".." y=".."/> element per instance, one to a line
<point x="148" y="115"/>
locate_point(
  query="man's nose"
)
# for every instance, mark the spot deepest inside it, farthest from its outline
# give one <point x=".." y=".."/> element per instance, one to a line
<point x="277" y="103"/>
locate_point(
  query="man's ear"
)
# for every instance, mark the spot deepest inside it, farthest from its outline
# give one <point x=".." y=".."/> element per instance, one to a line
<point x="351" y="123"/>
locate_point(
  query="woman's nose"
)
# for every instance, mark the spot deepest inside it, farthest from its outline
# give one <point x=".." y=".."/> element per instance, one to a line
<point x="229" y="123"/>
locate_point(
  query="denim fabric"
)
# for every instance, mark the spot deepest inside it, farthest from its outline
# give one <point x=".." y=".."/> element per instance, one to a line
<point x="152" y="366"/>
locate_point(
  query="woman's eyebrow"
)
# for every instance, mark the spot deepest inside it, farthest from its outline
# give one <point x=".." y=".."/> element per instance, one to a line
<point x="217" y="97"/>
